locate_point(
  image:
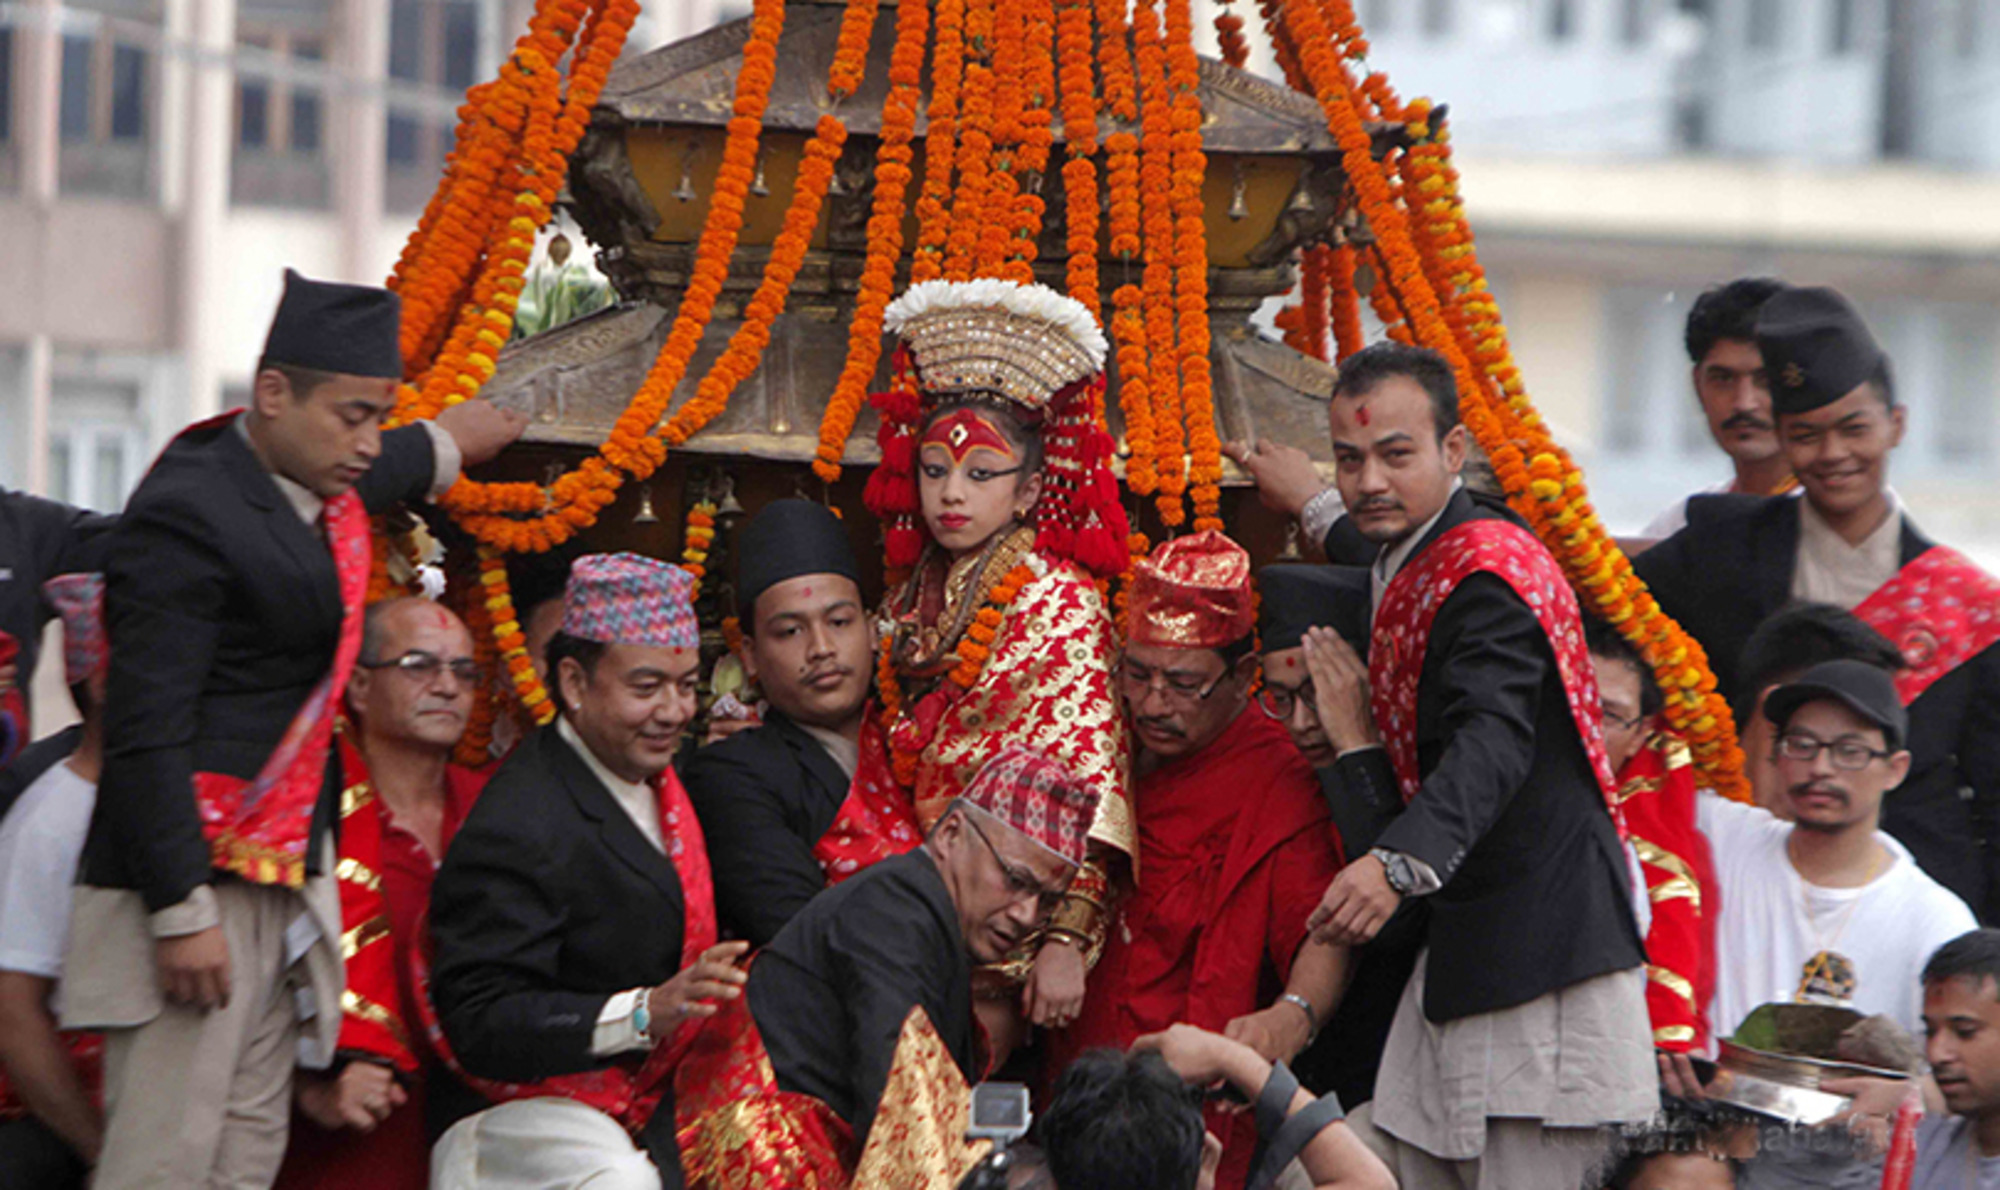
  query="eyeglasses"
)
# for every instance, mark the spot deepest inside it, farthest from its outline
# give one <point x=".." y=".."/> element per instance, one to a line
<point x="1279" y="702"/>
<point x="424" y="666"/>
<point x="1851" y="755"/>
<point x="1621" y="722"/>
<point x="1020" y="881"/>
<point x="1170" y="686"/>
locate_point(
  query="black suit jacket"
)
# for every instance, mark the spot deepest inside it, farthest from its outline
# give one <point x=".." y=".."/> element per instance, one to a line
<point x="550" y="901"/>
<point x="764" y="797"/>
<point x="1732" y="567"/>
<point x="223" y="610"/>
<point x="40" y="539"/>
<point x="831" y="991"/>
<point x="1510" y="815"/>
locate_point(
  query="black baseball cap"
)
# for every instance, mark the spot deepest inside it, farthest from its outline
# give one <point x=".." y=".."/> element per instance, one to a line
<point x="1867" y="690"/>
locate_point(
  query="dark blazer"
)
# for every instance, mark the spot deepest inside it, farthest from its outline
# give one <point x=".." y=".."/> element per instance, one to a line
<point x="1510" y="815"/>
<point x="223" y="610"/>
<point x="831" y="991"/>
<point x="1732" y="567"/>
<point x="550" y="901"/>
<point x="40" y="539"/>
<point x="764" y="797"/>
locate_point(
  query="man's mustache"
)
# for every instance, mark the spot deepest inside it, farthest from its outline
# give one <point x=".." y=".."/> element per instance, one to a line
<point x="1823" y="790"/>
<point x="1379" y="504"/>
<point x="1160" y="727"/>
<point x="1745" y="421"/>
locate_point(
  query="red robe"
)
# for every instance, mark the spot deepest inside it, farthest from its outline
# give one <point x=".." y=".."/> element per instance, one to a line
<point x="396" y="1155"/>
<point x="1235" y="850"/>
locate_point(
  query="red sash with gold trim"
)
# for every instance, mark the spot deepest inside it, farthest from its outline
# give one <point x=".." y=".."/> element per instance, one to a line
<point x="1657" y="791"/>
<point x="629" y="1089"/>
<point x="14" y="729"/>
<point x="1411" y="603"/>
<point x="259" y="828"/>
<point x="1941" y="610"/>
<point x="369" y="1021"/>
<point x="876" y="822"/>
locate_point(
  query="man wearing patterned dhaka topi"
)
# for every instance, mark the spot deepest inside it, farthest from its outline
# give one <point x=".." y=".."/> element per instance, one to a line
<point x="1235" y="845"/>
<point x="573" y="920"/>
<point x="853" y="1052"/>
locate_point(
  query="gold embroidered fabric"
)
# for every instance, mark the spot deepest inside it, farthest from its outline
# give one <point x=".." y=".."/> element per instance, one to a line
<point x="918" y="1137"/>
<point x="1048" y="686"/>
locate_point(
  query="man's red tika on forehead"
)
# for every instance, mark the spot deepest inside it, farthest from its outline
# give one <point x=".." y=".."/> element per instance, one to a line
<point x="963" y="432"/>
<point x="1361" y="413"/>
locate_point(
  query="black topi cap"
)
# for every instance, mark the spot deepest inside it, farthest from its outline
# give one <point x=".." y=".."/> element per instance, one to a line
<point x="1295" y="596"/>
<point x="1867" y="690"/>
<point x="1816" y="349"/>
<point x="786" y="539"/>
<point x="353" y="330"/>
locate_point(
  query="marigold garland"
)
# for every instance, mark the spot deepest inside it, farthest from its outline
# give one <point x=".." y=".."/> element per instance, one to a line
<point x="1156" y="182"/>
<point x="696" y="539"/>
<point x="474" y="747"/>
<point x="1190" y="166"/>
<point x="1314" y="272"/>
<point x="510" y="639"/>
<point x="885" y="240"/>
<point x="1229" y="34"/>
<point x="975" y="142"/>
<point x="940" y="142"/>
<point x="1343" y="302"/>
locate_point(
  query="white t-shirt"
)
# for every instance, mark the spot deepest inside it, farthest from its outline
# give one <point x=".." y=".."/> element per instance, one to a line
<point x="1773" y="924"/>
<point x="41" y="843"/>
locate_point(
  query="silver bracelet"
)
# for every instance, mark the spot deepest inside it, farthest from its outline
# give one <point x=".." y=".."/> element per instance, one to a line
<point x="1319" y="514"/>
<point x="1303" y="1005"/>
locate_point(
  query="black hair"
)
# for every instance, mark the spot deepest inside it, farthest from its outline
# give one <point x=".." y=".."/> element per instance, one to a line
<point x="1365" y="370"/>
<point x="1119" y="1121"/>
<point x="1974" y="954"/>
<point x="1020" y="430"/>
<point x="561" y="645"/>
<point x="1603" y="640"/>
<point x="1727" y="312"/>
<point x="302" y="380"/>
<point x="1800" y="636"/>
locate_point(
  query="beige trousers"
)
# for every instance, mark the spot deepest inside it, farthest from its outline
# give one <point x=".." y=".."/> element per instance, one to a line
<point x="202" y="1100"/>
<point x="1520" y="1154"/>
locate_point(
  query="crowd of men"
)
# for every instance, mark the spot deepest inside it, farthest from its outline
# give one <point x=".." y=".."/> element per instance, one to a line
<point x="1380" y="871"/>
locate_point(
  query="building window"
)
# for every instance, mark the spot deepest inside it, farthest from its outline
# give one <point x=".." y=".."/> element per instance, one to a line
<point x="433" y="58"/>
<point x="1635" y="21"/>
<point x="279" y="159"/>
<point x="105" y="99"/>
<point x="1562" y="20"/>
<point x="96" y="441"/>
<point x="1435" y="17"/>
<point x="1766" y="21"/>
<point x="1840" y="38"/>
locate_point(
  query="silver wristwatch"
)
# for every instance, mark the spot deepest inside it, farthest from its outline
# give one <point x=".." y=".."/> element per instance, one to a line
<point x="1396" y="866"/>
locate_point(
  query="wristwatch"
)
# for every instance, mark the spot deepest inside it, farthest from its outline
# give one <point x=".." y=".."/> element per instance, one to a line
<point x="1396" y="866"/>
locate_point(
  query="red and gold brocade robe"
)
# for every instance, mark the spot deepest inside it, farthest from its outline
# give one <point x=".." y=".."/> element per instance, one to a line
<point x="1046" y="685"/>
<point x="1656" y="791"/>
<point x="377" y="856"/>
<point x="738" y="1131"/>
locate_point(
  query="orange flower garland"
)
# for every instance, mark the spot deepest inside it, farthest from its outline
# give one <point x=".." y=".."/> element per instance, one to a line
<point x="1157" y="284"/>
<point x="940" y="142"/>
<point x="1313" y="277"/>
<point x="975" y="144"/>
<point x="1229" y="34"/>
<point x="1343" y="302"/>
<point x="474" y="747"/>
<point x="1079" y="126"/>
<point x="575" y="499"/>
<point x="885" y="240"/>
<point x="700" y="534"/>
<point x="1190" y="165"/>
<point x="512" y="641"/>
<point x="975" y="648"/>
